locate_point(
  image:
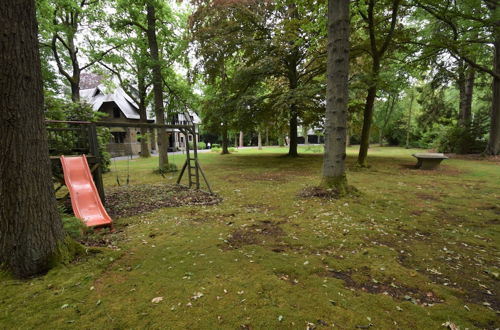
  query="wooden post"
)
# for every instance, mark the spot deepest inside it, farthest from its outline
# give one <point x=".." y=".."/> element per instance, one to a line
<point x="94" y="150"/>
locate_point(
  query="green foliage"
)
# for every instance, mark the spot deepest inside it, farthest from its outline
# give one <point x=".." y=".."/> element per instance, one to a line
<point x="73" y="226"/>
<point x="215" y="145"/>
<point x="201" y="145"/>
<point x="65" y="110"/>
<point x="460" y="140"/>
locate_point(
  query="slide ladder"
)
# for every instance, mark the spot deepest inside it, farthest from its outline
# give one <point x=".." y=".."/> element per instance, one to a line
<point x="85" y="199"/>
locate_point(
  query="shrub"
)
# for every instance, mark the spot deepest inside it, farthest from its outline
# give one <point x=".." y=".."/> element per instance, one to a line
<point x="216" y="149"/>
<point x="460" y="140"/>
<point x="73" y="226"/>
<point x="201" y="145"/>
<point x="216" y="145"/>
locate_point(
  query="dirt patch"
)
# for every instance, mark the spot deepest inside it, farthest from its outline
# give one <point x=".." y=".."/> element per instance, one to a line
<point x="319" y="192"/>
<point x="395" y="290"/>
<point x="127" y="201"/>
<point x="427" y="197"/>
<point x="268" y="231"/>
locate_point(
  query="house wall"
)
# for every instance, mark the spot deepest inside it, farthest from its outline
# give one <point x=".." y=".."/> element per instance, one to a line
<point x="130" y="146"/>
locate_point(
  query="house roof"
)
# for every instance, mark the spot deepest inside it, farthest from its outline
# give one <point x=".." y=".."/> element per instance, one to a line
<point x="97" y="96"/>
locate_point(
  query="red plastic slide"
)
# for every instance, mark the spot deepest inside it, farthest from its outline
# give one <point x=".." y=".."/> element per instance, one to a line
<point x="85" y="200"/>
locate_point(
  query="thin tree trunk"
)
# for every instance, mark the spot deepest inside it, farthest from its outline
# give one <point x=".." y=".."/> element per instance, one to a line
<point x="305" y="130"/>
<point x="259" y="141"/>
<point x="225" y="140"/>
<point x="337" y="93"/>
<point x="31" y="231"/>
<point x="241" y="139"/>
<point x="493" y="147"/>
<point x="292" y="143"/>
<point x="267" y="136"/>
<point x="377" y="55"/>
<point x="152" y="133"/>
<point x="157" y="87"/>
<point x="367" y="125"/>
<point x="235" y="140"/>
<point x="408" y="124"/>
<point x="387" y="116"/>
<point x="141" y="86"/>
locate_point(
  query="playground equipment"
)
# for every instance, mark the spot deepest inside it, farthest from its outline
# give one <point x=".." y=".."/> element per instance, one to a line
<point x="85" y="200"/>
<point x="84" y="180"/>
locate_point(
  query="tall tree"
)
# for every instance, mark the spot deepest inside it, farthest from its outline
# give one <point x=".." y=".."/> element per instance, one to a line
<point x="157" y="84"/>
<point x="62" y="22"/>
<point x="471" y="26"/>
<point x="337" y="94"/>
<point x="30" y="226"/>
<point x="378" y="47"/>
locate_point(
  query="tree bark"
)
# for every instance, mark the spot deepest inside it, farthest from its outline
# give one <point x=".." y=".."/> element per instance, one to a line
<point x="337" y="94"/>
<point x="493" y="147"/>
<point x="152" y="132"/>
<point x="30" y="226"/>
<point x="225" y="140"/>
<point x="367" y="125"/>
<point x="267" y="136"/>
<point x="157" y="87"/>
<point x="259" y="141"/>
<point x="241" y="143"/>
<point x="142" y="89"/>
<point x="292" y="143"/>
<point x="408" y="124"/>
<point x="466" y="77"/>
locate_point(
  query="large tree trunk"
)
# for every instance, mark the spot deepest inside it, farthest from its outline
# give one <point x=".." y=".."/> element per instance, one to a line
<point x="493" y="147"/>
<point x="157" y="87"/>
<point x="30" y="225"/>
<point x="337" y="93"/>
<point x="466" y="79"/>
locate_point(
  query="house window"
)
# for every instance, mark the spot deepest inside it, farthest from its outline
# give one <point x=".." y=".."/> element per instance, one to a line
<point x="190" y="137"/>
<point x="118" y="137"/>
<point x="182" y="139"/>
<point x="116" y="112"/>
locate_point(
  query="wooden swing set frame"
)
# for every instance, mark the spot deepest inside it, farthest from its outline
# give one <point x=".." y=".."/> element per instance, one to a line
<point x="85" y="134"/>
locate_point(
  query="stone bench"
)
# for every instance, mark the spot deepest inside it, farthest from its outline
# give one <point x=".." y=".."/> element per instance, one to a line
<point x="429" y="161"/>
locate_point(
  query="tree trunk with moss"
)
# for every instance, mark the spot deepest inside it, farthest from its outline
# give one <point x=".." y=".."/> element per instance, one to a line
<point x="336" y="96"/>
<point x="31" y="232"/>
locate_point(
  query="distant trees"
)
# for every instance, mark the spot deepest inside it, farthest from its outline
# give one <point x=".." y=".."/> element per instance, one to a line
<point x="276" y="51"/>
<point x="31" y="232"/>
<point x="61" y="24"/>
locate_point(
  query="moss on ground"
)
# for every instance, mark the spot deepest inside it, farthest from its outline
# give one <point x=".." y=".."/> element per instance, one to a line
<point x="415" y="249"/>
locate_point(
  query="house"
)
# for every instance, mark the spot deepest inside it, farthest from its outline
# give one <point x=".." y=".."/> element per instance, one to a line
<point x="121" y="108"/>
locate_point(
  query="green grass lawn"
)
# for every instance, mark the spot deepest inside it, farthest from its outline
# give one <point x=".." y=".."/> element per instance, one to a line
<point x="415" y="250"/>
